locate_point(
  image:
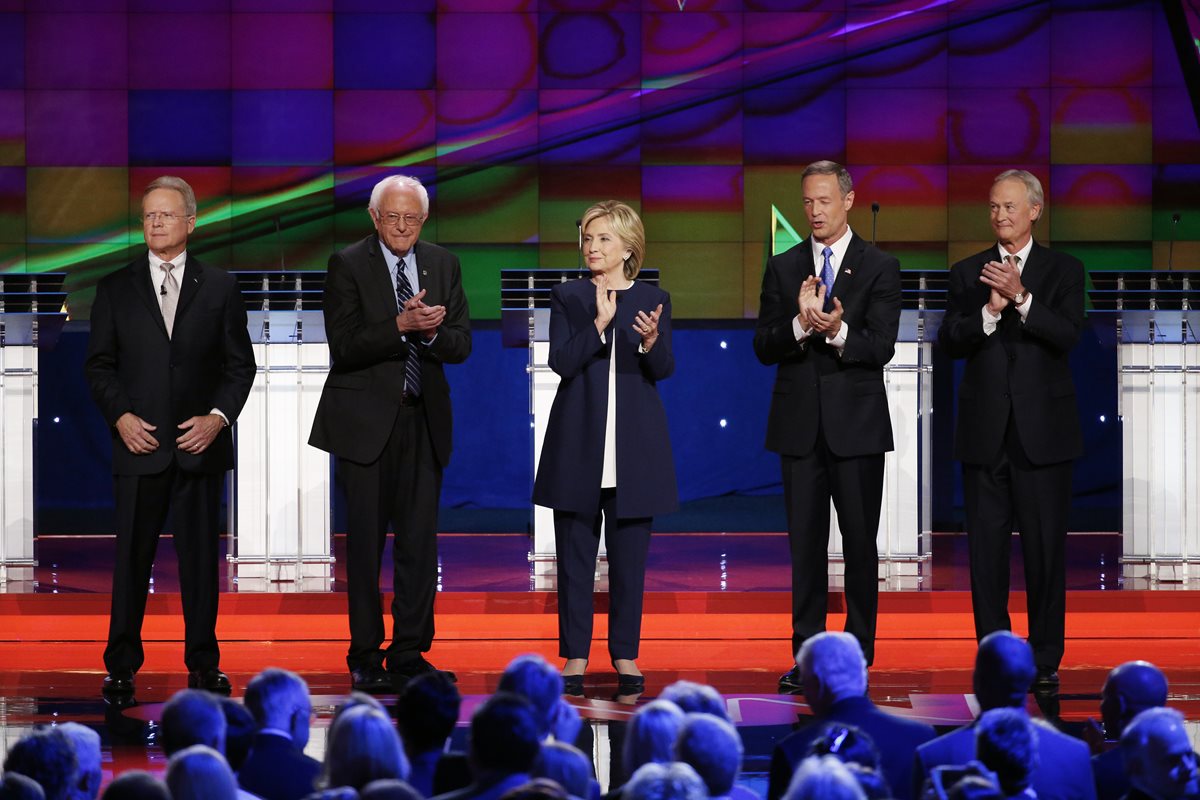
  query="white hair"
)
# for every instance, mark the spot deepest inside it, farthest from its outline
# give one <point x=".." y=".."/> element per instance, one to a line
<point x="823" y="778"/>
<point x="1033" y="187"/>
<point x="835" y="658"/>
<point x="398" y="181"/>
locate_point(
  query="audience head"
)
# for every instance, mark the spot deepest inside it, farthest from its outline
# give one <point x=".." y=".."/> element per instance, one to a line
<point x="1004" y="671"/>
<point x="847" y="743"/>
<point x="136" y="784"/>
<point x="505" y="735"/>
<point x="240" y="728"/>
<point x="533" y="678"/>
<point x="711" y="746"/>
<point x="200" y="773"/>
<point x="86" y="744"/>
<point x="427" y="711"/>
<point x="650" y="736"/>
<point x="566" y="766"/>
<point x="975" y="787"/>
<point x="1129" y="690"/>
<point x="872" y="782"/>
<point x="823" y="778"/>
<point x="1158" y="754"/>
<point x="355" y="699"/>
<point x="536" y="789"/>
<point x="671" y="781"/>
<point x="695" y="698"/>
<point x="279" y="699"/>
<point x="15" y="786"/>
<point x="191" y="717"/>
<point x="47" y="757"/>
<point x="1006" y="743"/>
<point x="389" y="789"/>
<point x="832" y="668"/>
<point x="363" y="747"/>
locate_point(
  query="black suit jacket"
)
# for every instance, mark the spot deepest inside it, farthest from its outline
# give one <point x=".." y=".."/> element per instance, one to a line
<point x="896" y="739"/>
<point x="569" y="472"/>
<point x="366" y="380"/>
<point x="133" y="366"/>
<point x="814" y="385"/>
<point x="1022" y="370"/>
<point x="275" y="769"/>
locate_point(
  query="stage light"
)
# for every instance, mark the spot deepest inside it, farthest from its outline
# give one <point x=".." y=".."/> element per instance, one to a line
<point x="1102" y="418"/>
<point x="56" y="420"/>
<point x="723" y="423"/>
<point x="724" y="345"/>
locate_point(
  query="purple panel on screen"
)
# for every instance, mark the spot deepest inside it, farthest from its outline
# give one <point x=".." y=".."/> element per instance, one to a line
<point x="692" y="187"/>
<point x="482" y="125"/>
<point x="198" y="60"/>
<point x="688" y="127"/>
<point x="384" y="51"/>
<point x="778" y="46"/>
<point x="804" y="122"/>
<point x="292" y="6"/>
<point x="189" y="127"/>
<point x="795" y="5"/>
<point x="692" y="51"/>
<point x="1110" y="201"/>
<point x="589" y="50"/>
<point x="78" y="6"/>
<point x="12" y="127"/>
<point x="12" y="51"/>
<point x="179" y="6"/>
<point x="1123" y="37"/>
<point x="96" y="44"/>
<point x="282" y="51"/>
<point x="891" y="60"/>
<point x="1000" y="126"/>
<point x="384" y="6"/>
<point x="283" y="127"/>
<point x="383" y="126"/>
<point x="1176" y="135"/>
<point x="1167" y="71"/>
<point x="352" y="186"/>
<point x="487" y="51"/>
<point x="76" y="128"/>
<point x="1095" y="107"/>
<point x="1008" y="50"/>
<point x="580" y="126"/>
<point x="898" y="126"/>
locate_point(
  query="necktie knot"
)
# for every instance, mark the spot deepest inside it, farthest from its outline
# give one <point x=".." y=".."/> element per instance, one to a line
<point x="169" y="295"/>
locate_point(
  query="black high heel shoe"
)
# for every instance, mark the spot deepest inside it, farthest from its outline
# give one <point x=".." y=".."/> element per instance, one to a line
<point x="628" y="683"/>
<point x="573" y="684"/>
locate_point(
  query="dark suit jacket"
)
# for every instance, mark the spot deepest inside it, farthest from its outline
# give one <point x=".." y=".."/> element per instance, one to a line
<point x="133" y="366"/>
<point x="845" y="394"/>
<point x="569" y="472"/>
<point x="896" y="739"/>
<point x="489" y="791"/>
<point x="1022" y="369"/>
<point x="1064" y="770"/>
<point x="276" y="769"/>
<point x="366" y="380"/>
<point x="1112" y="781"/>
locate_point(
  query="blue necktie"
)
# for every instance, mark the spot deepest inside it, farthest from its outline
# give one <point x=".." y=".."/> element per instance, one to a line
<point x="827" y="278"/>
<point x="412" y="364"/>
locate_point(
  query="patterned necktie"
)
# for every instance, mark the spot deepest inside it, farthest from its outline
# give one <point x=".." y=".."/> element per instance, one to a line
<point x="412" y="363"/>
<point x="827" y="278"/>
<point x="169" y="294"/>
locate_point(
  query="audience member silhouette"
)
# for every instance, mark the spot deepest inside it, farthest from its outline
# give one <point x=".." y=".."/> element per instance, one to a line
<point x="823" y="778"/>
<point x="136" y="784"/>
<point x="1130" y="689"/>
<point x="47" y="757"/>
<point x="15" y="786"/>
<point x="833" y="674"/>
<point x="537" y="789"/>
<point x="427" y="711"/>
<point x="200" y="773"/>
<point x="363" y="747"/>
<point x="85" y="743"/>
<point x="650" y="735"/>
<point x="670" y="781"/>
<point x="1159" y="757"/>
<point x="240" y="729"/>
<point x="695" y="698"/>
<point x="504" y="741"/>
<point x="1004" y="673"/>
<point x="390" y="788"/>
<point x="567" y="766"/>
<point x="276" y="767"/>
<point x="1006" y="743"/>
<point x="854" y="748"/>
<point x="711" y="746"/>
<point x="190" y="717"/>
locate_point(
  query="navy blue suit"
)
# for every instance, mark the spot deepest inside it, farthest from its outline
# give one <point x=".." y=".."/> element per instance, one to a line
<point x="571" y="465"/>
<point x="275" y="769"/>
<point x="896" y="739"/>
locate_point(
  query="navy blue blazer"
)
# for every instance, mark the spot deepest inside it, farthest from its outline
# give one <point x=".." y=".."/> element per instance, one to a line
<point x="275" y="769"/>
<point x="568" y="477"/>
<point x="895" y="737"/>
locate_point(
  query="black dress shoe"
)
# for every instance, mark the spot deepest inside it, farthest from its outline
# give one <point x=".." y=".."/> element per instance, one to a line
<point x="371" y="679"/>
<point x="404" y="671"/>
<point x="789" y="682"/>
<point x="118" y="684"/>
<point x="1046" y="679"/>
<point x="210" y="680"/>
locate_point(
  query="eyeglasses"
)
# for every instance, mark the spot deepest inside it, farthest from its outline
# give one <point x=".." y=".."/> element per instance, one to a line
<point x="167" y="218"/>
<point x="394" y="219"/>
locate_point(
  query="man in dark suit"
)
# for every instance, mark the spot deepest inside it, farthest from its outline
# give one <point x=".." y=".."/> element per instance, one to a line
<point x="1014" y="312"/>
<point x="1004" y="671"/>
<point x="170" y="365"/>
<point x="828" y="317"/>
<point x="833" y="673"/>
<point x="395" y="312"/>
<point x="1159" y="757"/>
<point x="1130" y="689"/>
<point x="276" y="767"/>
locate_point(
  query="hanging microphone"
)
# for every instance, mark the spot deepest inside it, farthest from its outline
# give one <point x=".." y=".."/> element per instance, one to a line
<point x="279" y="243"/>
<point x="1171" y="245"/>
<point x="874" y="220"/>
<point x="579" y="258"/>
<point x="162" y="290"/>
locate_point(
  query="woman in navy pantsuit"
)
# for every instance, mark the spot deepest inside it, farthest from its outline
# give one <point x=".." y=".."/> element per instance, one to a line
<point x="607" y="453"/>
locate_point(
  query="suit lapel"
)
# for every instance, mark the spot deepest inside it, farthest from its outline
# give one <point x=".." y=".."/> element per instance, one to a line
<point x="428" y="276"/>
<point x="1033" y="276"/>
<point x="379" y="277"/>
<point x="143" y="287"/>
<point x="193" y="279"/>
<point x="843" y="284"/>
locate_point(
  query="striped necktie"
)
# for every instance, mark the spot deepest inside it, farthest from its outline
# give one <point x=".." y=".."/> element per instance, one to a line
<point x="412" y="362"/>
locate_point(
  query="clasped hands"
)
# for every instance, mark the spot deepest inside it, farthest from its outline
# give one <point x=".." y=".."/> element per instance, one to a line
<point x="813" y="316"/>
<point x="416" y="317"/>
<point x="199" y="432"/>
<point x="646" y="325"/>
<point x="1004" y="279"/>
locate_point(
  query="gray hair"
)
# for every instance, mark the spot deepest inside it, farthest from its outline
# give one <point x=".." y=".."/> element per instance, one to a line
<point x="273" y="695"/>
<point x="399" y="181"/>
<point x="1033" y="187"/>
<point x="845" y="182"/>
<point x="178" y="185"/>
<point x="823" y="778"/>
<point x="835" y="658"/>
<point x="712" y="747"/>
<point x="674" y="781"/>
<point x="200" y="773"/>
<point x="651" y="734"/>
<point x="86" y="744"/>
<point x="1150" y="724"/>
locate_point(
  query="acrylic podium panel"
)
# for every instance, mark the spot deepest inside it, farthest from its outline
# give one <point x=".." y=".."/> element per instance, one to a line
<point x="280" y="514"/>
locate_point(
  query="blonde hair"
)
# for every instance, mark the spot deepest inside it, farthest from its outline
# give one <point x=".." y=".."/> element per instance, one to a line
<point x="627" y="225"/>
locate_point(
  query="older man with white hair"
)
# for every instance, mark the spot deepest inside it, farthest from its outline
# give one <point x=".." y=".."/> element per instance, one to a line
<point x="833" y="672"/>
<point x="86" y="744"/>
<point x="1159" y="757"/>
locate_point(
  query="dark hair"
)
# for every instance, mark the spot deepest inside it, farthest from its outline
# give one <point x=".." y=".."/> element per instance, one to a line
<point x="135" y="784"/>
<point x="427" y="711"/>
<point x="847" y="743"/>
<point x="1007" y="745"/>
<point x="505" y="734"/>
<point x="240" y="728"/>
<point x="845" y="182"/>
<point x="47" y="757"/>
<point x="15" y="786"/>
<point x="191" y="717"/>
<point x="389" y="789"/>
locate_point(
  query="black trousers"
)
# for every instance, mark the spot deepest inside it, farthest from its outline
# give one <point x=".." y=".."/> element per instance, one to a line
<point x="577" y="543"/>
<point x="400" y="488"/>
<point x="142" y="504"/>
<point x="1037" y="499"/>
<point x="856" y="487"/>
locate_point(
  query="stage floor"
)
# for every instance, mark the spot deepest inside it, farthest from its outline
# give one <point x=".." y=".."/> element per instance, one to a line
<point x="717" y="611"/>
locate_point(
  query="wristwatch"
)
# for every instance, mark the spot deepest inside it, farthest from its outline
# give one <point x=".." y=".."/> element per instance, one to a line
<point x="1019" y="298"/>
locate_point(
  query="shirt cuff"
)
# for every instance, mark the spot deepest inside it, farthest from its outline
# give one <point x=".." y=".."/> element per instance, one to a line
<point x="1023" y="309"/>
<point x="989" y="321"/>
<point x="428" y="342"/>
<point x="838" y="341"/>
<point x="221" y="414"/>
<point x="798" y="331"/>
<point x="603" y="339"/>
